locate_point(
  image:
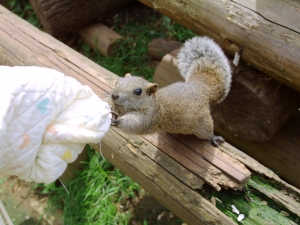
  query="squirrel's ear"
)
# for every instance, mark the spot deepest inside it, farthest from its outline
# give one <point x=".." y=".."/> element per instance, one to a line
<point x="127" y="75"/>
<point x="152" y="88"/>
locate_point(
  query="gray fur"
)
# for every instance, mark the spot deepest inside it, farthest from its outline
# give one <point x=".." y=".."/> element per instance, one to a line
<point x="203" y="52"/>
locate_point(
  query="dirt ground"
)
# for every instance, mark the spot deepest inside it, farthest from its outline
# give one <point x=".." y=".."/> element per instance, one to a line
<point x="145" y="207"/>
<point x="24" y="206"/>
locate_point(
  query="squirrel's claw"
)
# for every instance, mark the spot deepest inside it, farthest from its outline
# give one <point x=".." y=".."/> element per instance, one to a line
<point x="215" y="140"/>
<point x="114" y="115"/>
<point x="114" y="119"/>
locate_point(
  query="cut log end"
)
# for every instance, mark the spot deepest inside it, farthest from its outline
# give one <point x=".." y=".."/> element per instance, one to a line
<point x="159" y="47"/>
<point x="101" y="37"/>
<point x="62" y="17"/>
<point x="256" y="107"/>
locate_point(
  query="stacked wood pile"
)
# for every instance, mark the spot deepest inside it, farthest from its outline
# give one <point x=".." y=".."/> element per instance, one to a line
<point x="253" y="115"/>
<point x="250" y="117"/>
<point x="173" y="168"/>
<point x="267" y="31"/>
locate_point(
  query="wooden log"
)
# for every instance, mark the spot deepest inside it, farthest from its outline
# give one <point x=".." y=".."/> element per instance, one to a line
<point x="228" y="179"/>
<point x="99" y="36"/>
<point x="168" y="180"/>
<point x="280" y="152"/>
<point x="256" y="107"/>
<point x="167" y="70"/>
<point x="62" y="17"/>
<point x="159" y="47"/>
<point x="270" y="37"/>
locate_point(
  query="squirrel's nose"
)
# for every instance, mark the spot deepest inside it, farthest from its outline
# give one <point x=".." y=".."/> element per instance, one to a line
<point x="114" y="96"/>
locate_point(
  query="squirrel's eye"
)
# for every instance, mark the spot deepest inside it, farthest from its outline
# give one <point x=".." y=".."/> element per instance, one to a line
<point x="138" y="91"/>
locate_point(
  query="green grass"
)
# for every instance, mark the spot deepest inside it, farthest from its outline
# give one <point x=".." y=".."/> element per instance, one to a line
<point x="23" y="9"/>
<point x="131" y="56"/>
<point x="93" y="194"/>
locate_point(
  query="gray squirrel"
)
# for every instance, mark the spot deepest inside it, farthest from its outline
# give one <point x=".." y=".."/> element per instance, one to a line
<point x="182" y="107"/>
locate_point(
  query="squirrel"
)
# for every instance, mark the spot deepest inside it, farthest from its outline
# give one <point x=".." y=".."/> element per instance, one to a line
<point x="181" y="107"/>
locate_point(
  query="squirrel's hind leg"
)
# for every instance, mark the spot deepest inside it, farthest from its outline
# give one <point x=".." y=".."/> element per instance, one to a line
<point x="205" y="131"/>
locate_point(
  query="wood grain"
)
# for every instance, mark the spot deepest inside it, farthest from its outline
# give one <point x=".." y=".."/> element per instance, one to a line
<point x="159" y="47"/>
<point x="62" y="17"/>
<point x="98" y="36"/>
<point x="168" y="180"/>
<point x="270" y="39"/>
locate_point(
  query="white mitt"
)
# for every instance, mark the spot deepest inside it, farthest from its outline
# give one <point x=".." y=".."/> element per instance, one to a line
<point x="46" y="118"/>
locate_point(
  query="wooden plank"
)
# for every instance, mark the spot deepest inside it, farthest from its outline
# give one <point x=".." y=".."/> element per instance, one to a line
<point x="268" y="45"/>
<point x="163" y="180"/>
<point x="124" y="152"/>
<point x="195" y="162"/>
<point x="53" y="60"/>
<point x="22" y="44"/>
<point x="280" y="153"/>
<point x="216" y="157"/>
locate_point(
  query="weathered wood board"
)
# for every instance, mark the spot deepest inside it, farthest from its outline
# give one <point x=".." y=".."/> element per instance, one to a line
<point x="281" y="152"/>
<point x="267" y="30"/>
<point x="169" y="180"/>
<point x="163" y="177"/>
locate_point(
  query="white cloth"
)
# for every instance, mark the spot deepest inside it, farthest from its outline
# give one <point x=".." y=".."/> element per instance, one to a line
<point x="46" y="118"/>
<point x="1" y="220"/>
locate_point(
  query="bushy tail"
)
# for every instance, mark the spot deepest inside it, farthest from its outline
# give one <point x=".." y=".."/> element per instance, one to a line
<point x="201" y="56"/>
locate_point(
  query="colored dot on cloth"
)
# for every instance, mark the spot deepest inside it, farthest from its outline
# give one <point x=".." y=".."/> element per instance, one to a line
<point x="51" y="129"/>
<point x="42" y="105"/>
<point x="26" y="141"/>
<point x="67" y="155"/>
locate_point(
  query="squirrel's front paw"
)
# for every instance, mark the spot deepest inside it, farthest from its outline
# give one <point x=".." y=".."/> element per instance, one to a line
<point x="115" y="119"/>
<point x="215" y="140"/>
